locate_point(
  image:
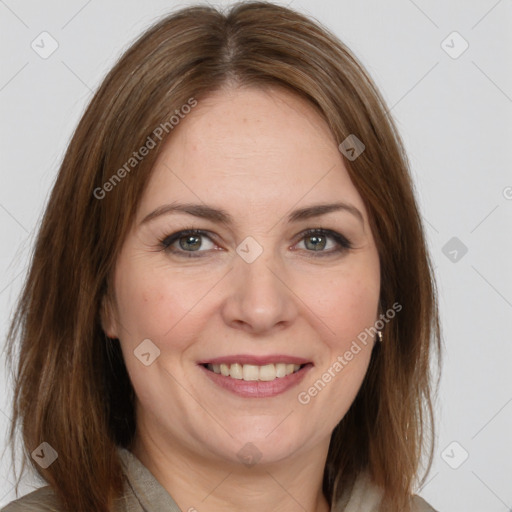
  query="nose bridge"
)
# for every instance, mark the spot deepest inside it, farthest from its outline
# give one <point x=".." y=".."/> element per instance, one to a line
<point x="258" y="297"/>
<point x="257" y="268"/>
<point x="259" y="275"/>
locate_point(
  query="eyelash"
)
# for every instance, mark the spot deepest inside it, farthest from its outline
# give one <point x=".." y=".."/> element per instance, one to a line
<point x="343" y="243"/>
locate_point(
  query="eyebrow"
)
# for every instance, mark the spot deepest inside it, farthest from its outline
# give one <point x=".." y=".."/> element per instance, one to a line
<point x="222" y="217"/>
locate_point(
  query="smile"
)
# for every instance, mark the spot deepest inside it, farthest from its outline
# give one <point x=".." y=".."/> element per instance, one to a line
<point x="255" y="380"/>
<point x="251" y="372"/>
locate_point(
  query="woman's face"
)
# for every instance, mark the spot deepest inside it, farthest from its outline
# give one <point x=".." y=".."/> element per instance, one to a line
<point x="252" y="294"/>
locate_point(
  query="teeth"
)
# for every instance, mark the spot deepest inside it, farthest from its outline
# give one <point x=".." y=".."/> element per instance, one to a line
<point x="281" y="370"/>
<point x="235" y="371"/>
<point x="251" y="372"/>
<point x="267" y="372"/>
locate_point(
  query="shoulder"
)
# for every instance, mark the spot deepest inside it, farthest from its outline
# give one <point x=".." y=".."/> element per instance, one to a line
<point x="420" y="505"/>
<point x="45" y="500"/>
<point x="40" y="500"/>
<point x="365" y="496"/>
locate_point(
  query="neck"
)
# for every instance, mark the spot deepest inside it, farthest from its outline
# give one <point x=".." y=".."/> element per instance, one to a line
<point x="200" y="483"/>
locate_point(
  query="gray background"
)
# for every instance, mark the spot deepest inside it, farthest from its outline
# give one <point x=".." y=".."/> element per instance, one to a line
<point x="454" y="115"/>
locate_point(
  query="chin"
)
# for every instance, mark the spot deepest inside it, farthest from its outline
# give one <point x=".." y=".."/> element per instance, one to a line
<point x="262" y="443"/>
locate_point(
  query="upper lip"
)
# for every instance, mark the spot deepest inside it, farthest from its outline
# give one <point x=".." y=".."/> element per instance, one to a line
<point x="256" y="360"/>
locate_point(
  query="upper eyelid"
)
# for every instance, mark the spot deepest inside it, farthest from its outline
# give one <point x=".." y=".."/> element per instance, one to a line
<point x="330" y="233"/>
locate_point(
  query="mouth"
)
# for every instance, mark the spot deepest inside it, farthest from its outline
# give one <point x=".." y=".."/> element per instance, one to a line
<point x="244" y="377"/>
<point x="252" y="372"/>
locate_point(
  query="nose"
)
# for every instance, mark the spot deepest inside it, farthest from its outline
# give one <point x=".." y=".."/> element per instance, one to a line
<point x="258" y="299"/>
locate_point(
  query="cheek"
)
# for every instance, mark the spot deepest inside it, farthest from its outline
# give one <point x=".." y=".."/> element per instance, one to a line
<point x="348" y="309"/>
<point x="151" y="301"/>
<point x="152" y="304"/>
<point x="348" y="304"/>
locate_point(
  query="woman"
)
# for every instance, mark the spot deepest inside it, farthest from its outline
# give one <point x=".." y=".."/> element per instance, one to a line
<point x="230" y="304"/>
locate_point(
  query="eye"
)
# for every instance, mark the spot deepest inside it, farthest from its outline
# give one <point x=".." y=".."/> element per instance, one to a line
<point x="189" y="241"/>
<point x="316" y="240"/>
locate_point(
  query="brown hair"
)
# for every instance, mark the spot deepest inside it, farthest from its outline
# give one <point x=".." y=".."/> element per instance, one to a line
<point x="71" y="386"/>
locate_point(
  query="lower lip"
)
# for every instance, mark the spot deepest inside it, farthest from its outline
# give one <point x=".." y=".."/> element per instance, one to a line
<point x="256" y="388"/>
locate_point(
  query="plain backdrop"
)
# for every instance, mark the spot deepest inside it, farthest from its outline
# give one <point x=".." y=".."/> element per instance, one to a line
<point x="453" y="106"/>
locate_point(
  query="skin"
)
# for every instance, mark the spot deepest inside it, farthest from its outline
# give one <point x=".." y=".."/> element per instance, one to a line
<point x="258" y="154"/>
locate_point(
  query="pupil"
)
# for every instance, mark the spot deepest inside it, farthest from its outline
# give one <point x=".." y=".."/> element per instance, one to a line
<point x="193" y="245"/>
<point x="318" y="244"/>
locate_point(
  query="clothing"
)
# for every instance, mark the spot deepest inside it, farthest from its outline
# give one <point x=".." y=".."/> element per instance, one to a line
<point x="143" y="493"/>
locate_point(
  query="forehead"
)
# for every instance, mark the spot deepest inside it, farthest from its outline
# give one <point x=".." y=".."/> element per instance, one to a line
<point x="263" y="147"/>
<point x="251" y="125"/>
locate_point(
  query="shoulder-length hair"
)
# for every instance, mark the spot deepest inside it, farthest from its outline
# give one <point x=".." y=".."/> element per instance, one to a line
<point x="72" y="389"/>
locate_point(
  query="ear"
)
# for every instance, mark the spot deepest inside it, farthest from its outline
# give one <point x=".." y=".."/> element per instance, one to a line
<point x="107" y="317"/>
